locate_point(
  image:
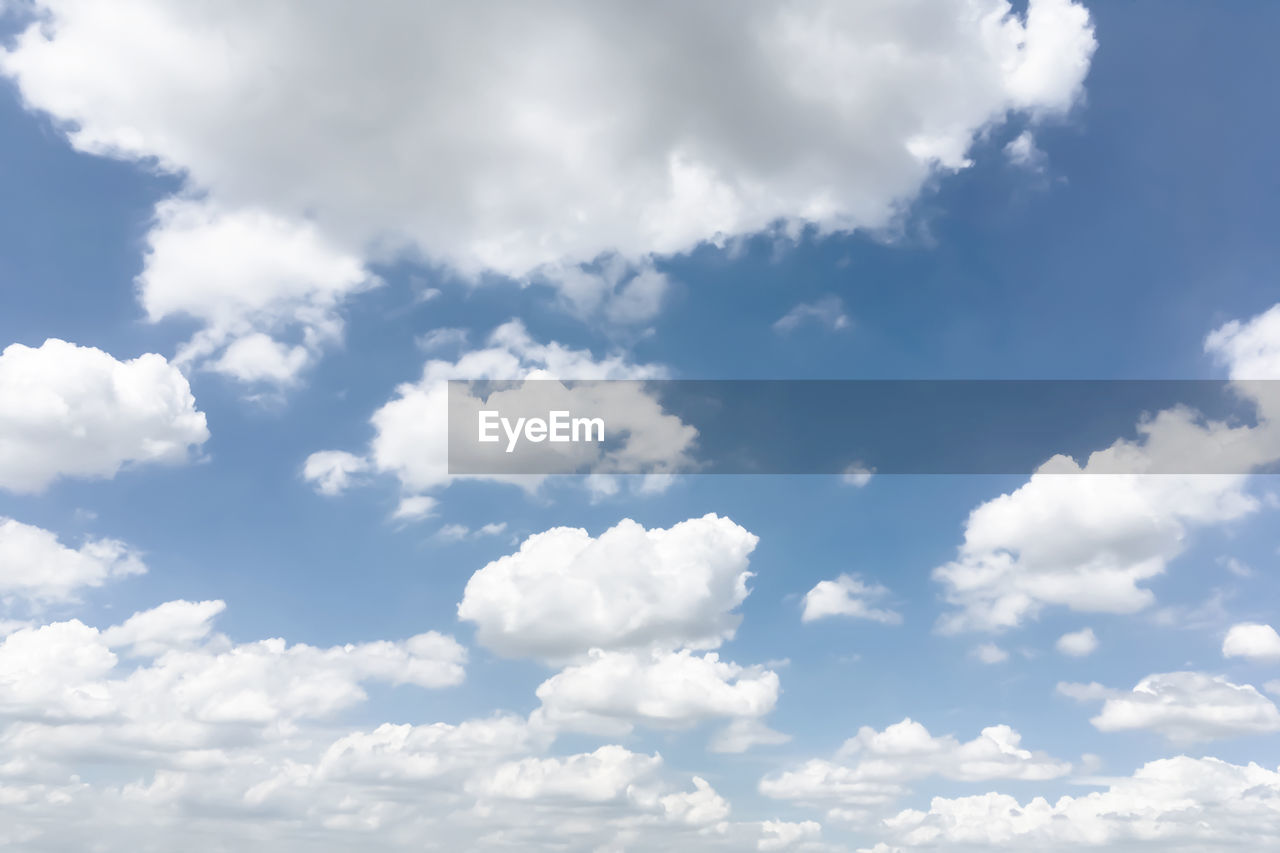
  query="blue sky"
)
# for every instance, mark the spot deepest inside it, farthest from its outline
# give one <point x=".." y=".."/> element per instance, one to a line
<point x="284" y="223"/>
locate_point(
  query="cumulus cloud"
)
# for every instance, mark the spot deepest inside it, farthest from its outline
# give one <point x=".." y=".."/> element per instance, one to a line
<point x="38" y="569"/>
<point x="784" y="835"/>
<point x="847" y="596"/>
<point x="265" y="287"/>
<point x="72" y="411"/>
<point x="1184" y="707"/>
<point x="1184" y="803"/>
<point x="411" y="431"/>
<point x="1088" y="537"/>
<point x="1251" y="640"/>
<point x="1077" y="644"/>
<point x="514" y="162"/>
<point x="612" y="691"/>
<point x="872" y="768"/>
<point x="565" y="592"/>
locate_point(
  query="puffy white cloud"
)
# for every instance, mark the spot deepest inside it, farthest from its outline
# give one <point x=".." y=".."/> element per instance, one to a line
<point x="1249" y="348"/>
<point x="605" y="774"/>
<point x="72" y="411"/>
<point x="1184" y="707"/>
<point x="247" y="275"/>
<point x="847" y="596"/>
<point x="1088" y="536"/>
<point x="1077" y="644"/>
<point x="565" y="592"/>
<point x="514" y="161"/>
<point x="872" y="768"/>
<point x="612" y="691"/>
<point x="411" y="431"/>
<point x="1200" y="804"/>
<point x="1251" y="640"/>
<point x="782" y="835"/>
<point x="333" y="471"/>
<point x="196" y="686"/>
<point x="174" y="624"/>
<point x="37" y="568"/>
<point x="827" y="311"/>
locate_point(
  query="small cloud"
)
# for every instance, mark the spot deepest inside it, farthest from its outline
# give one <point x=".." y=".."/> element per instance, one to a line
<point x="827" y="311"/>
<point x="414" y="508"/>
<point x="847" y="596"/>
<point x="1024" y="153"/>
<point x="990" y="653"/>
<point x="1077" y="644"/>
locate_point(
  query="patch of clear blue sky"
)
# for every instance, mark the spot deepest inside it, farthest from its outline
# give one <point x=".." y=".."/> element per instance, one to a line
<point x="1154" y="223"/>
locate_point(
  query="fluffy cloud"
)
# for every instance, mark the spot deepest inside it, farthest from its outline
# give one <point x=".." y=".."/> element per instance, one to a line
<point x="247" y="275"/>
<point x="846" y="596"/>
<point x="1249" y="640"/>
<point x="411" y="431"/>
<point x="514" y="161"/>
<point x="1071" y="538"/>
<point x="990" y="653"/>
<point x="612" y="691"/>
<point x="1077" y="644"/>
<point x="1175" y="803"/>
<point x="35" y="567"/>
<point x="872" y="768"/>
<point x="1184" y="707"/>
<point x="565" y="592"/>
<point x="783" y="835"/>
<point x="67" y="673"/>
<point x="72" y="411"/>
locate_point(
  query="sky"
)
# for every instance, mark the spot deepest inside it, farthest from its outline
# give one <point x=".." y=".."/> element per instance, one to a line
<point x="244" y="604"/>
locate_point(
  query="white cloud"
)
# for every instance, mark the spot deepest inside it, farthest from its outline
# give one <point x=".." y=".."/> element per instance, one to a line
<point x="1072" y="538"/>
<point x="565" y="592"/>
<point x="1251" y="640"/>
<point x="37" y="568"/>
<point x="1249" y="348"/>
<point x="612" y="691"/>
<point x="72" y="411"/>
<point x="411" y="431"/>
<point x="827" y="311"/>
<point x="333" y="471"/>
<point x="248" y="275"/>
<point x="1077" y="644"/>
<point x="783" y="835"/>
<point x="1184" y="707"/>
<point x="1200" y="804"/>
<point x="172" y="625"/>
<point x="847" y="596"/>
<point x="1022" y="151"/>
<point x="515" y="162"/>
<point x="872" y="768"/>
<point x="990" y="653"/>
